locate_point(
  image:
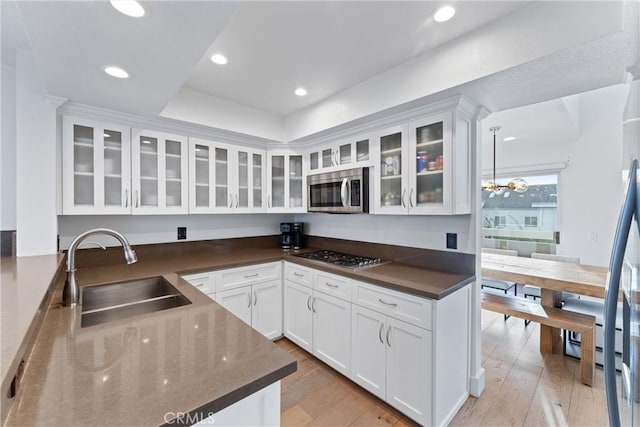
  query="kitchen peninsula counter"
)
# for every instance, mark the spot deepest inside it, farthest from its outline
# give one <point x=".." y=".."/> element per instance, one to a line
<point x="197" y="358"/>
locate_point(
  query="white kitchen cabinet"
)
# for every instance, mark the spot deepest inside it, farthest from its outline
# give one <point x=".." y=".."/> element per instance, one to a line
<point x="392" y="360"/>
<point x="352" y="152"/>
<point x="332" y="331"/>
<point x="259" y="306"/>
<point x="298" y="317"/>
<point x="159" y="173"/>
<point x="286" y="190"/>
<point x="224" y="178"/>
<point x="424" y="166"/>
<point x="96" y="167"/>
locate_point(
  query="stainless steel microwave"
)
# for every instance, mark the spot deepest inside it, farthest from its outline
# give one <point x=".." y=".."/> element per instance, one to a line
<point x="344" y="191"/>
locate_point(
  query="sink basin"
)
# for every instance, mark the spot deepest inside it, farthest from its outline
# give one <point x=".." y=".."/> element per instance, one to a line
<point x="115" y="301"/>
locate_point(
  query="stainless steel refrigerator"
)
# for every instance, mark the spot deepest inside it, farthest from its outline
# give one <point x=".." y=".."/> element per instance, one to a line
<point x="623" y="398"/>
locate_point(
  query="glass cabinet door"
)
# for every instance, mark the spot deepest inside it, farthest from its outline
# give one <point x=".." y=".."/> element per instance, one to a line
<point x="242" y="196"/>
<point x="327" y="158"/>
<point x="277" y="181"/>
<point x="391" y="183"/>
<point x="96" y="167"/>
<point x="313" y="161"/>
<point x="256" y="178"/>
<point x="295" y="181"/>
<point x="362" y="150"/>
<point x="159" y="173"/>
<point x="223" y="197"/>
<point x="429" y="156"/>
<point x="202" y="164"/>
<point x="344" y="154"/>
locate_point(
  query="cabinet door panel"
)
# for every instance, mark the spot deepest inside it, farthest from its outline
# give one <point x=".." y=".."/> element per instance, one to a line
<point x="368" y="351"/>
<point x="332" y="331"/>
<point x="391" y="183"/>
<point x="238" y="302"/>
<point x="266" y="316"/>
<point x="298" y="319"/>
<point x="409" y="376"/>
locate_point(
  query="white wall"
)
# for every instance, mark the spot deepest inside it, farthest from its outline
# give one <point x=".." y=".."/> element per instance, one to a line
<point x="8" y="149"/>
<point x="36" y="219"/>
<point x="590" y="186"/>
<point x="143" y="229"/>
<point x="506" y="43"/>
<point x="196" y="107"/>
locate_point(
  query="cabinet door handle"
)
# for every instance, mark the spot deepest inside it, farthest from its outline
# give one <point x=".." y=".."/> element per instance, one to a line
<point x="249" y="276"/>
<point x="404" y="190"/>
<point x="230" y="201"/>
<point x="411" y="197"/>
<point x="255" y="297"/>
<point x="331" y="285"/>
<point x="390" y="304"/>
<point x="137" y="199"/>
<point x="313" y="305"/>
<point x="249" y="299"/>
<point x="388" y="334"/>
<point x="337" y="156"/>
<point x="269" y="201"/>
<point x="237" y="200"/>
<point x="309" y="303"/>
<point x="380" y="333"/>
<point x="126" y="198"/>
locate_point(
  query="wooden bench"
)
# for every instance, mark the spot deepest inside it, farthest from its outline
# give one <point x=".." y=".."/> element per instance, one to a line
<point x="583" y="324"/>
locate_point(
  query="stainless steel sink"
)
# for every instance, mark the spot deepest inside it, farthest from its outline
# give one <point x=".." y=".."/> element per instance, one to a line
<point x="114" y="301"/>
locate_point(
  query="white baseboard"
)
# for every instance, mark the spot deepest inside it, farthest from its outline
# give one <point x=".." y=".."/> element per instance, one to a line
<point x="476" y="384"/>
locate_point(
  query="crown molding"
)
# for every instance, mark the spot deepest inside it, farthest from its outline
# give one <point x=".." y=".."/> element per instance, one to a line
<point x="55" y="101"/>
<point x="163" y="124"/>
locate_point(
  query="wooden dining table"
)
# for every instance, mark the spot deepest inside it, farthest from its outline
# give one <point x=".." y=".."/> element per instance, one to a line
<point x="553" y="278"/>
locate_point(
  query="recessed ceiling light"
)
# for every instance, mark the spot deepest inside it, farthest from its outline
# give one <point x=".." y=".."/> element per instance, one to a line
<point x="444" y="14"/>
<point x="300" y="91"/>
<point x="128" y="7"/>
<point x="116" y="72"/>
<point x="219" y="59"/>
<point x="509" y="138"/>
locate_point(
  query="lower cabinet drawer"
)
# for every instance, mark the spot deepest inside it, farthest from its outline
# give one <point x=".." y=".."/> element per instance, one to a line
<point x="298" y="274"/>
<point x="204" y="282"/>
<point x="338" y="286"/>
<point x="242" y="276"/>
<point x="409" y="308"/>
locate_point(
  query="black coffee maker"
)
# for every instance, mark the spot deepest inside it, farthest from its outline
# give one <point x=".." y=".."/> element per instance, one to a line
<point x="291" y="235"/>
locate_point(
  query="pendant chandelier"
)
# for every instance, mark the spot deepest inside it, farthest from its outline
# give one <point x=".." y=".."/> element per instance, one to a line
<point x="518" y="185"/>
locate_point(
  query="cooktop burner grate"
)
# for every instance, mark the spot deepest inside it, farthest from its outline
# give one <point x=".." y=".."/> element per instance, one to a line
<point x="341" y="259"/>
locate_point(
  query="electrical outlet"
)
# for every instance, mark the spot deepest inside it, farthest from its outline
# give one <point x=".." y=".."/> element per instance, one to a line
<point x="452" y="240"/>
<point x="182" y="233"/>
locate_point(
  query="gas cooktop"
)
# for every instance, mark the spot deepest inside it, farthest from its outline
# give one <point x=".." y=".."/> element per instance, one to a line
<point x="341" y="259"/>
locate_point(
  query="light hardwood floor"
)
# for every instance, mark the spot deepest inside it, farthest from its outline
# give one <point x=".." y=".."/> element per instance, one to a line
<point x="522" y="388"/>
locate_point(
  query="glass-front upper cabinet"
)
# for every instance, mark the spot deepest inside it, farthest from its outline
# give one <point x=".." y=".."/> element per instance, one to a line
<point x="95" y="167"/>
<point x="224" y="178"/>
<point x="340" y="155"/>
<point x="287" y="191"/>
<point x="424" y="166"/>
<point x="159" y="173"/>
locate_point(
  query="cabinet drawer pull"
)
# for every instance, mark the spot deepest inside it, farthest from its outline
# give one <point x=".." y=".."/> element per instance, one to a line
<point x="388" y="333"/>
<point x="390" y="304"/>
<point x="309" y="303"/>
<point x="298" y="274"/>
<point x="199" y="285"/>
<point x="331" y="285"/>
<point x="249" y="276"/>
<point x="380" y="333"/>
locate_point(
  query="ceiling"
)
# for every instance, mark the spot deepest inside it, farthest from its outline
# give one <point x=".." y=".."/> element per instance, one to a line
<point x="272" y="47"/>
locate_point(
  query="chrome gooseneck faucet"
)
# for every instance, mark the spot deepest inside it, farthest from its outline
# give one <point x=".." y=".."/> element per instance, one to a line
<point x="71" y="291"/>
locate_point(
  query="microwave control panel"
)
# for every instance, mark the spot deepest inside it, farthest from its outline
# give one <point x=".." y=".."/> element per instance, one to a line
<point x="355" y="192"/>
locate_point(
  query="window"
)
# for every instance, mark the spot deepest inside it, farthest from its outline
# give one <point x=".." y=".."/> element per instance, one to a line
<point x="525" y="222"/>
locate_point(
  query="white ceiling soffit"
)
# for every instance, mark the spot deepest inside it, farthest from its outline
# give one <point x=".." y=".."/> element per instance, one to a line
<point x="74" y="40"/>
<point x="12" y="32"/>
<point x="274" y="47"/>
